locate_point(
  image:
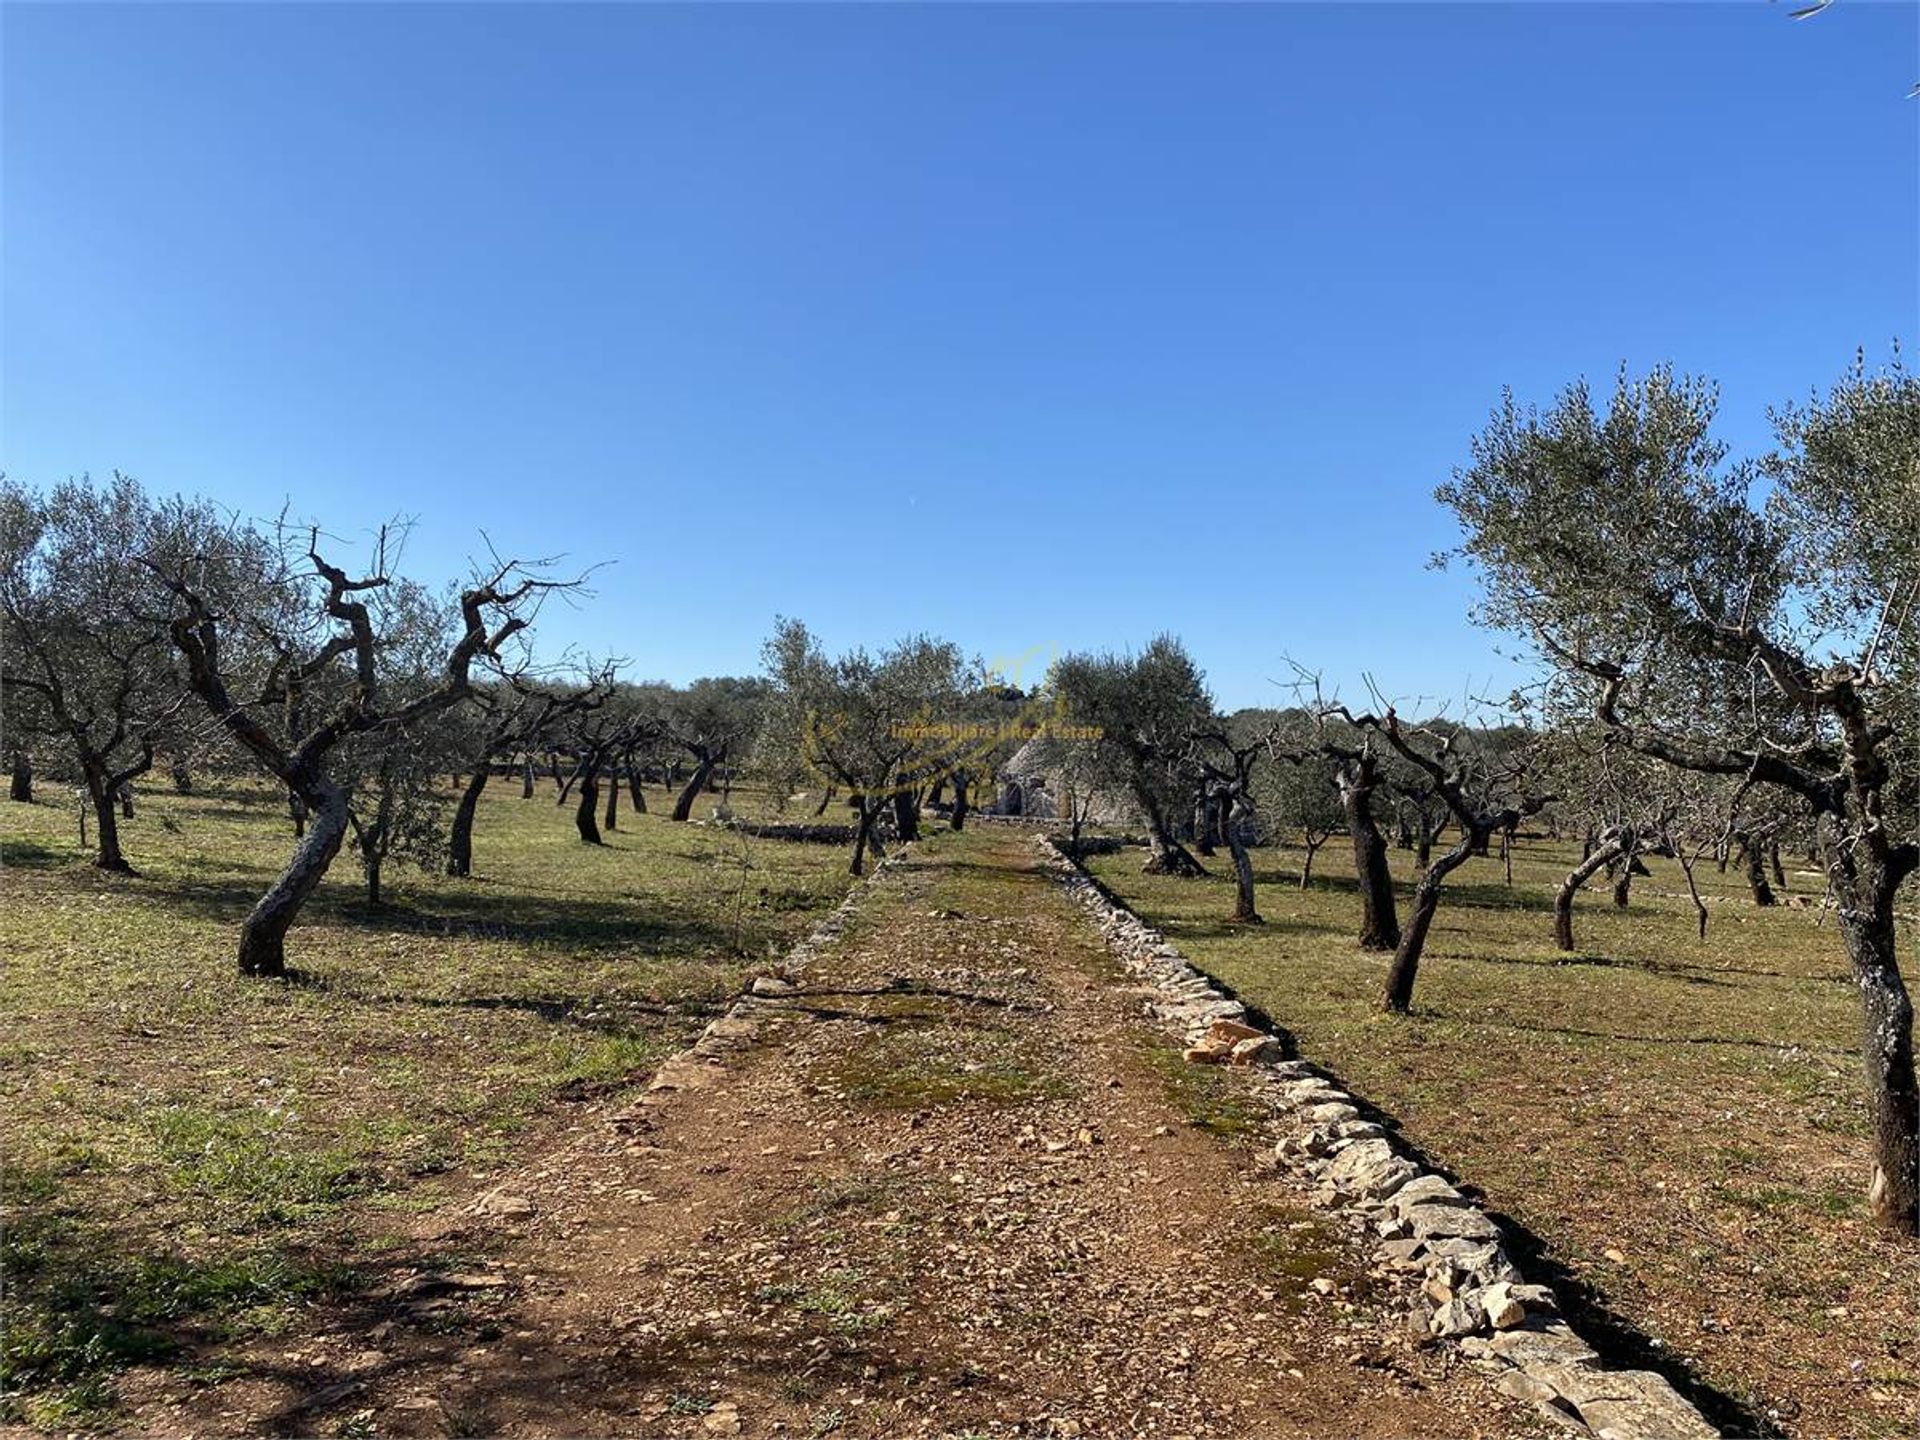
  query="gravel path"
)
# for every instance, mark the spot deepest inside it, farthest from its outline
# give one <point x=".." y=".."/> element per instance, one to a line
<point x="953" y="1186"/>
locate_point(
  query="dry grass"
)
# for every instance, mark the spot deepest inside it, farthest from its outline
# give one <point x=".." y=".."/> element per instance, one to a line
<point x="1693" y="1107"/>
<point x="191" y="1158"/>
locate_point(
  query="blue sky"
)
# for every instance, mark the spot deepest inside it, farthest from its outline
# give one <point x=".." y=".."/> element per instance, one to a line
<point x="1039" y="327"/>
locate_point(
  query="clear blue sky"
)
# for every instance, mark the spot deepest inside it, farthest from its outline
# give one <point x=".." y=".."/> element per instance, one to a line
<point x="1037" y="327"/>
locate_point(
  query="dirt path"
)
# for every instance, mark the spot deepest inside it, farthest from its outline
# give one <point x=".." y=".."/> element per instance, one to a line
<point x="956" y="1188"/>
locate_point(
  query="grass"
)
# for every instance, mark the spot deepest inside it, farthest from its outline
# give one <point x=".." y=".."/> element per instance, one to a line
<point x="916" y="1067"/>
<point x="1205" y="1094"/>
<point x="191" y="1158"/>
<point x="1695" y="1107"/>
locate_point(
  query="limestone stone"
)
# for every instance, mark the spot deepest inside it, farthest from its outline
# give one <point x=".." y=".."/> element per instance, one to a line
<point x="1625" y="1404"/>
<point x="1428" y="1190"/>
<point x="1232" y="1032"/>
<point x="1436" y="1221"/>
<point x="1331" y="1111"/>
<point x="1533" y="1346"/>
<point x="1503" y="1307"/>
<point x="1257" y="1050"/>
<point x="1461" y="1315"/>
<point x="1358" y="1158"/>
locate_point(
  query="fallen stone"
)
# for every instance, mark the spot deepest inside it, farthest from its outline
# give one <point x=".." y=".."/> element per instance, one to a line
<point x="1420" y="1325"/>
<point x="1231" y="1032"/>
<point x="773" y="985"/>
<point x="500" y="1205"/>
<point x="1258" y="1050"/>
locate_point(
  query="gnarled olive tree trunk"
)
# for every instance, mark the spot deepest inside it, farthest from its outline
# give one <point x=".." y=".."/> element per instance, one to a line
<point x="1379" y="919"/>
<point x="1165" y="855"/>
<point x="962" y="783"/>
<point x="101" y="795"/>
<point x="1599" y="855"/>
<point x="1405" y="968"/>
<point x="460" y="837"/>
<point x="1865" y="888"/>
<point x="906" y="813"/>
<point x="702" y="775"/>
<point x="21" y="786"/>
<point x="588" y="778"/>
<point x="263" y="935"/>
<point x="1753" y="852"/>
<point x="1236" y="811"/>
<point x="867" y="812"/>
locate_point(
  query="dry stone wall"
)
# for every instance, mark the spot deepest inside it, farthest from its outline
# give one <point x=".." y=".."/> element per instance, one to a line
<point x="1458" y="1281"/>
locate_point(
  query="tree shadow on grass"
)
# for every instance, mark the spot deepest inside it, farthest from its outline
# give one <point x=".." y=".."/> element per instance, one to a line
<point x="87" y="1300"/>
<point x="593" y="924"/>
<point x="1674" y="970"/>
<point x="1753" y="1042"/>
<point x="32" y="855"/>
<point x="537" y="1383"/>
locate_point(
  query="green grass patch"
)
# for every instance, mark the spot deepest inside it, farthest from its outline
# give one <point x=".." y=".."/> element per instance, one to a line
<point x="193" y="1156"/>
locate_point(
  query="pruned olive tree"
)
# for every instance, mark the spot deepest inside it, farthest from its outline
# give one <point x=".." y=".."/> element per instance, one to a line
<point x="711" y="720"/>
<point x="1300" y="793"/>
<point x="321" y="644"/>
<point x="511" y="716"/>
<point x="398" y="803"/>
<point x="1655" y="585"/>
<point x="1229" y="756"/>
<point x="1145" y="709"/>
<point x="858" y="722"/>
<point x="1485" y="795"/>
<point x="84" y="655"/>
<point x="1360" y="774"/>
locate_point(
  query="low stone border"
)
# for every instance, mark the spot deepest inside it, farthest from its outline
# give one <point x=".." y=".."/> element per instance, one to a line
<point x="699" y="1065"/>
<point x="1462" y="1285"/>
<point x="740" y="1026"/>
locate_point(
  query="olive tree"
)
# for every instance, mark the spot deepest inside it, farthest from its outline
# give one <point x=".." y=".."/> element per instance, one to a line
<point x="1657" y="586"/>
<point x="1145" y="709"/>
<point x="84" y="656"/>
<point x="1229" y="756"/>
<point x="1485" y="798"/>
<point x="295" y="701"/>
<point x="512" y="716"/>
<point x="859" y="721"/>
<point x="1299" y="793"/>
<point x="711" y="720"/>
